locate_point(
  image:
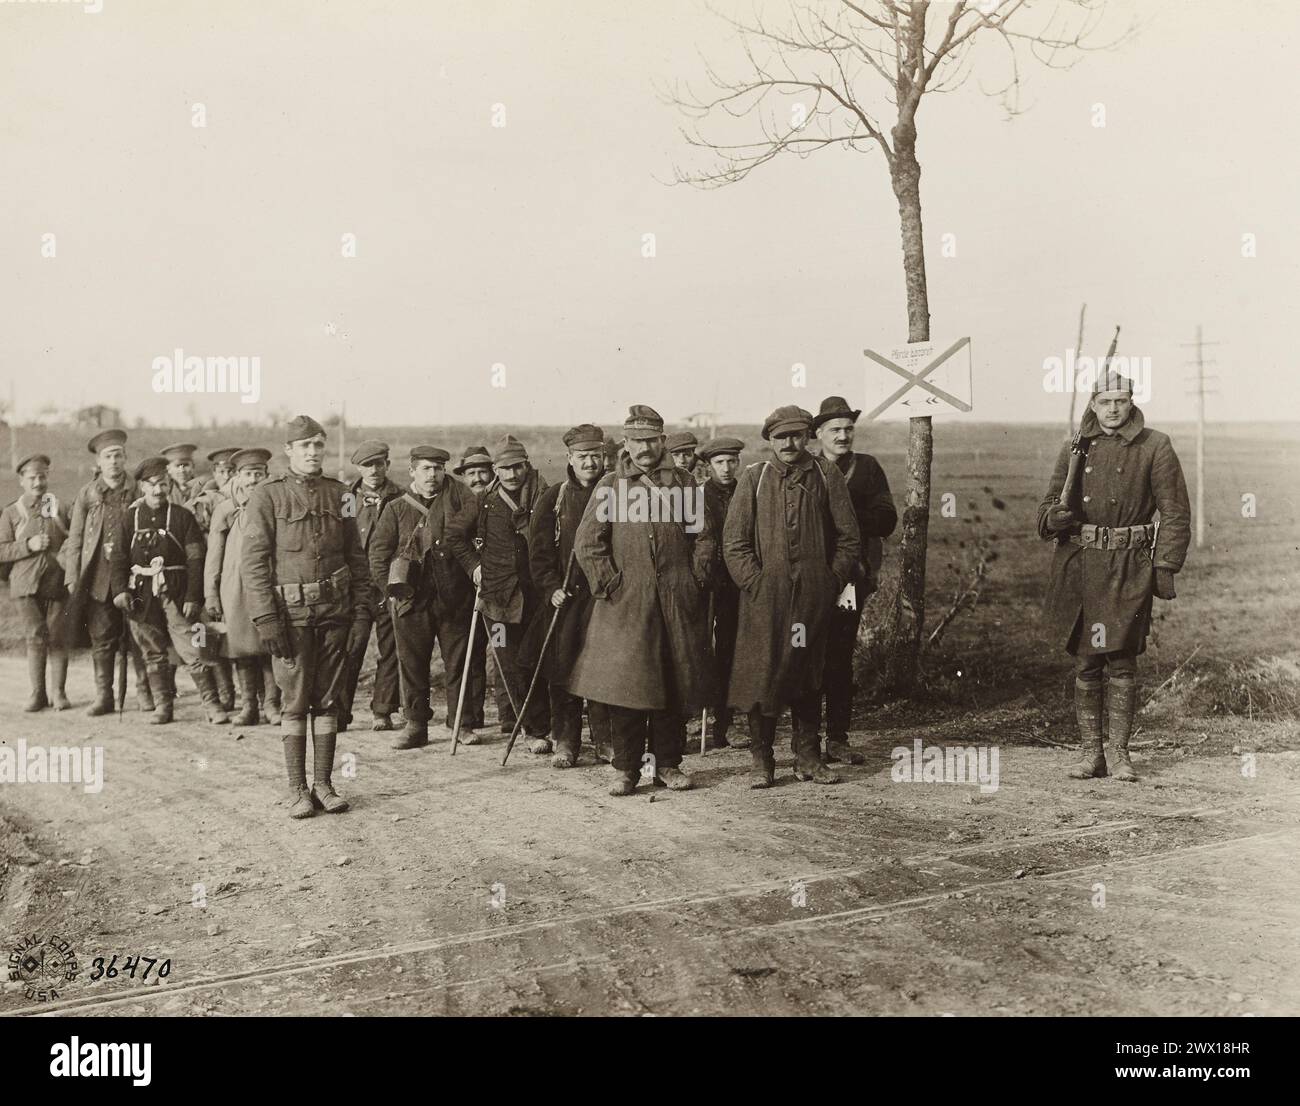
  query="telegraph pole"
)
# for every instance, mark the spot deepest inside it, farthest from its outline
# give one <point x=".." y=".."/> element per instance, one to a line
<point x="1199" y="391"/>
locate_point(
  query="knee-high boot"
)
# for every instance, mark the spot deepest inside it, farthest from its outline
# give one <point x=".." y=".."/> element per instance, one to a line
<point x="1121" y="706"/>
<point x="36" y="652"/>
<point x="249" y="674"/>
<point x="1087" y="709"/>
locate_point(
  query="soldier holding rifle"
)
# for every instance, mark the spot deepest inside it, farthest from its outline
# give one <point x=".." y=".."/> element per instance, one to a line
<point x="1109" y="560"/>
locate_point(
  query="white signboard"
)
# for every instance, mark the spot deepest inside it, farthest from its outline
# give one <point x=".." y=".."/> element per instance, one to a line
<point x="919" y="378"/>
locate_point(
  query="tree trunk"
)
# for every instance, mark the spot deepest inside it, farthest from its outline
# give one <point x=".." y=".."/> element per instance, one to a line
<point x="908" y="616"/>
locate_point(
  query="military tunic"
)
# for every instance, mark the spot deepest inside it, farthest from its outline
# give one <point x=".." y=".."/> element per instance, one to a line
<point x="303" y="563"/>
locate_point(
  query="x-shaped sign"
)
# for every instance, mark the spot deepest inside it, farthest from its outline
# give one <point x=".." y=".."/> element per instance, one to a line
<point x="917" y="380"/>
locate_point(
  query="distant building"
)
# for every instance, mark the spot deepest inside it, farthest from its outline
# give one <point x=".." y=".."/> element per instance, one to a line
<point x="96" y="416"/>
<point x="703" y="420"/>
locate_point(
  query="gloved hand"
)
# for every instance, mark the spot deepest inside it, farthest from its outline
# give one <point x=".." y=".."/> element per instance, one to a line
<point x="213" y="607"/>
<point x="191" y="609"/>
<point x="1060" y="518"/>
<point x="37" y="543"/>
<point x="358" y="633"/>
<point x="1165" y="584"/>
<point x="122" y="601"/>
<point x="558" y="596"/>
<point x="275" y="637"/>
<point x="478" y="576"/>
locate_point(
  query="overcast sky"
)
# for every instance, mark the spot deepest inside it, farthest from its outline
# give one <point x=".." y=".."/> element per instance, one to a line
<point x="521" y="245"/>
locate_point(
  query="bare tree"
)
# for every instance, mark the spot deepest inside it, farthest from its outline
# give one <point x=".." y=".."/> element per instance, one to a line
<point x="816" y="79"/>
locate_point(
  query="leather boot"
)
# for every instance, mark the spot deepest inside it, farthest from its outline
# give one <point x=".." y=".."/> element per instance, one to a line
<point x="806" y="743"/>
<point x="838" y="751"/>
<point x="225" y="685"/>
<point x="143" y="693"/>
<point x="381" y="723"/>
<point x="207" y="685"/>
<point x="324" y="738"/>
<point x="249" y="679"/>
<point x="762" y="736"/>
<point x="624" y="783"/>
<point x="36" y="651"/>
<point x="674" y="779"/>
<point x="103" y="702"/>
<point x="415" y="735"/>
<point x="59" y="678"/>
<point x="566" y="755"/>
<point x="270" y="694"/>
<point x="1087" y="709"/>
<point x="162" y="698"/>
<point x="735" y="739"/>
<point x="1121" y="706"/>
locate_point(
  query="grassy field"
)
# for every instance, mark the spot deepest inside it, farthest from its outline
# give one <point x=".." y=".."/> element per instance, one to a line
<point x="1228" y="641"/>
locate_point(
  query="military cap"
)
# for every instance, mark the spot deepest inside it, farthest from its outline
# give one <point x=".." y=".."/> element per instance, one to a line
<point x="372" y="449"/>
<point x="510" y="451"/>
<point x="182" y="451"/>
<point x="584" y="436"/>
<point x="246" y="458"/>
<point x="300" y="427"/>
<point x="715" y="446"/>
<point x="106" y="438"/>
<point x="475" y="456"/>
<point x="1112" y="380"/>
<point x="683" y="439"/>
<point x="833" y="407"/>
<point x="222" y="456"/>
<point x="35" y="457"/>
<point x="784" y="420"/>
<point x="151" y="468"/>
<point x="429" y="453"/>
<point x="642" y="422"/>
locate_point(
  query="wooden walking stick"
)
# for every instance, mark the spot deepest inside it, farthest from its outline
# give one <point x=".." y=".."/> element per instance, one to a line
<point x="541" y="656"/>
<point x="704" y="714"/>
<point x="464" y="675"/>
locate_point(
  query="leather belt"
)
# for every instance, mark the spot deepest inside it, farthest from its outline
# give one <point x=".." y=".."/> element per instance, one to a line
<point x="1114" y="537"/>
<point x="333" y="586"/>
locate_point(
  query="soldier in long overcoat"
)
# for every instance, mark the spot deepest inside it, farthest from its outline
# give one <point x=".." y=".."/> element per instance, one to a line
<point x="225" y="594"/>
<point x="562" y="584"/>
<point x="645" y="547"/>
<point x="1110" y="559"/>
<point x="791" y="545"/>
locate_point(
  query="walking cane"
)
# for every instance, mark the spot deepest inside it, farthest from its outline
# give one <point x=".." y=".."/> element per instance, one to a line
<point x="519" y="715"/>
<point x="704" y="714"/>
<point x="124" y="647"/>
<point x="464" y="675"/>
<point x="397" y="648"/>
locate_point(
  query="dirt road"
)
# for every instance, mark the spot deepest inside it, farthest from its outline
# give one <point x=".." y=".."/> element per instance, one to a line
<point x="455" y="886"/>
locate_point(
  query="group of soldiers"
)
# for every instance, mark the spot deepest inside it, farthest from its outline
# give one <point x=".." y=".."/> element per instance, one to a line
<point x="276" y="583"/>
